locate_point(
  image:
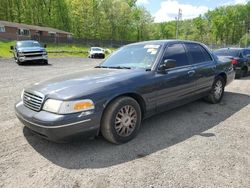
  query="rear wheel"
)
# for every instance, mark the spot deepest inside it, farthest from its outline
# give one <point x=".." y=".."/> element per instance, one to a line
<point x="121" y="120"/>
<point x="239" y="74"/>
<point x="217" y="91"/>
<point x="244" y="71"/>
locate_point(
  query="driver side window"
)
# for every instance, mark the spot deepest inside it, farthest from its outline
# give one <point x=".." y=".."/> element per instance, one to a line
<point x="178" y="53"/>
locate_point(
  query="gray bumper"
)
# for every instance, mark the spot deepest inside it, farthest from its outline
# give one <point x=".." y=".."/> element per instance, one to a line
<point x="23" y="58"/>
<point x="56" y="127"/>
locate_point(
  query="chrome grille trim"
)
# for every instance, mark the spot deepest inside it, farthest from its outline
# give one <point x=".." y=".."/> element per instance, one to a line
<point x="33" y="100"/>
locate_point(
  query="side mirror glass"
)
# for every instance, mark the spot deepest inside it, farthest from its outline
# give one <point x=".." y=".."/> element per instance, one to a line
<point x="167" y="64"/>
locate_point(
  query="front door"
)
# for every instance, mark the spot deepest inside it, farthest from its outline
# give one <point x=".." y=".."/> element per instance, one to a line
<point x="176" y="83"/>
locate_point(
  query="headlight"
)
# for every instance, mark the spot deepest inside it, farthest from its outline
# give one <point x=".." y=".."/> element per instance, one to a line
<point x="22" y="94"/>
<point x="20" y="54"/>
<point x="68" y="107"/>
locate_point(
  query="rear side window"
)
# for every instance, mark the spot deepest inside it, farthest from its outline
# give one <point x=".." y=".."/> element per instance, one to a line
<point x="198" y="53"/>
<point x="178" y="53"/>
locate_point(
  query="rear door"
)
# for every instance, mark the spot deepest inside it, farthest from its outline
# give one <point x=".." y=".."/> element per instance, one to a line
<point x="176" y="84"/>
<point x="246" y="55"/>
<point x="204" y="67"/>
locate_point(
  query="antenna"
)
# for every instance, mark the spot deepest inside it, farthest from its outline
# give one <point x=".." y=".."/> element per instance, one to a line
<point x="178" y="18"/>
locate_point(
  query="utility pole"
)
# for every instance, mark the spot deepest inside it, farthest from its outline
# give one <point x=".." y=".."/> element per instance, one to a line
<point x="178" y="18"/>
<point x="246" y="44"/>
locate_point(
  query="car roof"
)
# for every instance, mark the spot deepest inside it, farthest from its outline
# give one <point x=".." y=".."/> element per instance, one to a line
<point x="96" y="47"/>
<point x="231" y="49"/>
<point x="162" y="42"/>
<point x="27" y="41"/>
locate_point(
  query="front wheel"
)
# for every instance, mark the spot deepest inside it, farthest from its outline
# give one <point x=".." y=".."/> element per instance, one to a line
<point x="18" y="62"/>
<point x="121" y="120"/>
<point x="217" y="91"/>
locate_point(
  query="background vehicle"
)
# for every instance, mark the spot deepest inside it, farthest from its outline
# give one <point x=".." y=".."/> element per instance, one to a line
<point x="240" y="59"/>
<point x="135" y="82"/>
<point x="96" y="52"/>
<point x="29" y="51"/>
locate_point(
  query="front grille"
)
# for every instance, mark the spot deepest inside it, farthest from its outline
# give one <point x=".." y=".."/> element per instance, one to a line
<point x="32" y="101"/>
<point x="33" y="54"/>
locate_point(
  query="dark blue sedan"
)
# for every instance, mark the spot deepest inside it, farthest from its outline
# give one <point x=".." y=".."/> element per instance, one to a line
<point x="240" y="59"/>
<point x="135" y="82"/>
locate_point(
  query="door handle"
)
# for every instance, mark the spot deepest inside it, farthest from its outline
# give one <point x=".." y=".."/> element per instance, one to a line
<point x="191" y="73"/>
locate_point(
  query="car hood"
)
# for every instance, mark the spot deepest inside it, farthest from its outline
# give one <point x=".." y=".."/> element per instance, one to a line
<point x="76" y="85"/>
<point x="96" y="52"/>
<point x="30" y="49"/>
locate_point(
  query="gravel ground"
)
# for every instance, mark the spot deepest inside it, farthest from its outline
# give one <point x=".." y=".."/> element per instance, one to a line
<point x="196" y="145"/>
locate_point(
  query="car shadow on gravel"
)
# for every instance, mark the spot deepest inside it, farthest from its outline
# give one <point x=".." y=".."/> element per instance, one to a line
<point x="35" y="64"/>
<point x="157" y="133"/>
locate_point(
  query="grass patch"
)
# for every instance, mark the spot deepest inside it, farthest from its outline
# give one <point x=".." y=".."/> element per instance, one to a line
<point x="5" y="48"/>
<point x="54" y="50"/>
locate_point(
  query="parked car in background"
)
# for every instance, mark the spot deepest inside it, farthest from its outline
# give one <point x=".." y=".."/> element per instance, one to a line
<point x="29" y="51"/>
<point x="96" y="52"/>
<point x="137" y="81"/>
<point x="240" y="59"/>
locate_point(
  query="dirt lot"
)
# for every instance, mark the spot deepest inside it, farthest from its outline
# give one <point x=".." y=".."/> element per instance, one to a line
<point x="196" y="145"/>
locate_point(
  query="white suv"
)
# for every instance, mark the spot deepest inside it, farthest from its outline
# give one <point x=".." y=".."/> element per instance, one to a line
<point x="96" y="52"/>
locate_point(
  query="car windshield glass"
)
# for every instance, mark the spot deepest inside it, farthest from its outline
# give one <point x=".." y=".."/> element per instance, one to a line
<point x="227" y="52"/>
<point x="133" y="56"/>
<point x="25" y="44"/>
<point x="96" y="49"/>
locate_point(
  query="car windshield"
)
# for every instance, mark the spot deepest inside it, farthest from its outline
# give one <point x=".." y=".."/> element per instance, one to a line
<point x="96" y="49"/>
<point x="227" y="52"/>
<point x="133" y="56"/>
<point x="25" y="44"/>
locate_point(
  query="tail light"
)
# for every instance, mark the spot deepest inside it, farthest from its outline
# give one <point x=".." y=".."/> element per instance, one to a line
<point x="234" y="62"/>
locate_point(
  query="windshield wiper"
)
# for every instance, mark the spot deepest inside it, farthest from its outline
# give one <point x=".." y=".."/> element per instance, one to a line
<point x="99" y="66"/>
<point x="113" y="67"/>
<point x="120" y="67"/>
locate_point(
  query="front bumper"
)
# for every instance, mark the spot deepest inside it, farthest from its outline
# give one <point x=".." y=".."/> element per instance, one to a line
<point x="35" y="58"/>
<point x="97" y="55"/>
<point x="58" y="128"/>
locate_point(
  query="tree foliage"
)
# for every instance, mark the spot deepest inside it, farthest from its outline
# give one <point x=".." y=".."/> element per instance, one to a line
<point x="124" y="20"/>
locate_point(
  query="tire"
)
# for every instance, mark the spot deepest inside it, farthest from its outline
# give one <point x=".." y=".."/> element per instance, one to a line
<point x="121" y="120"/>
<point x="239" y="75"/>
<point x="244" y="71"/>
<point x="18" y="62"/>
<point x="217" y="91"/>
<point x="45" y="62"/>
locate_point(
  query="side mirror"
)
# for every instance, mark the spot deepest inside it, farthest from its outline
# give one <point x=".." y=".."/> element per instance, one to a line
<point x="167" y="64"/>
<point x="45" y="45"/>
<point x="12" y="47"/>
